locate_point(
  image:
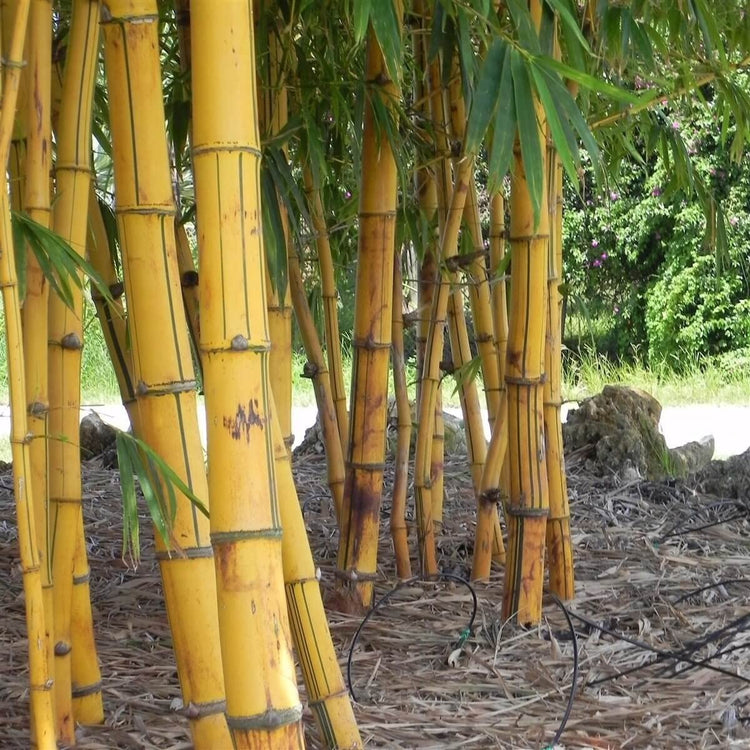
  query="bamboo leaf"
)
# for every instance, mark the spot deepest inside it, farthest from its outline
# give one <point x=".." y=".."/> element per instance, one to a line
<point x="524" y="24"/>
<point x="552" y="108"/>
<point x="361" y="19"/>
<point x="484" y="102"/>
<point x="130" y="529"/>
<point x="593" y="83"/>
<point x="528" y="133"/>
<point x="387" y="28"/>
<point x="569" y="22"/>
<point x="504" y="133"/>
<point x="274" y="237"/>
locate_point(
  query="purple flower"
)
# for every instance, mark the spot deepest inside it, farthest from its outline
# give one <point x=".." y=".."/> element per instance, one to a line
<point x="604" y="256"/>
<point x="656" y="192"/>
<point x="594" y="243"/>
<point x="614" y="195"/>
<point x="712" y="172"/>
<point x="675" y="125"/>
<point x="734" y="221"/>
<point x="596" y="263"/>
<point x="347" y="194"/>
<point x="616" y="309"/>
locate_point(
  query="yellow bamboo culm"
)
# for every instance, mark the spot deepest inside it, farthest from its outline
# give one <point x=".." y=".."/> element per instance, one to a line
<point x="431" y="373"/>
<point x="327" y="694"/>
<point x="112" y="315"/>
<point x="329" y="295"/>
<point x="316" y="369"/>
<point x="162" y="362"/>
<point x="360" y="521"/>
<point x="70" y="213"/>
<point x="40" y="681"/>
<point x="17" y="159"/>
<point x="263" y="709"/>
<point x="274" y="117"/>
<point x="559" y="545"/>
<point x="528" y="503"/>
<point x="34" y="313"/>
<point x="399" y="529"/>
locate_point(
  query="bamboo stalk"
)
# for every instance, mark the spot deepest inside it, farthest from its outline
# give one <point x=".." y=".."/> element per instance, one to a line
<point x="73" y="176"/>
<point x="431" y="374"/>
<point x="528" y="504"/>
<point x="399" y="529"/>
<point x="34" y="312"/>
<point x="163" y="365"/>
<point x="330" y="297"/>
<point x="40" y="682"/>
<point x="112" y="315"/>
<point x="263" y="707"/>
<point x="189" y="285"/>
<point x="358" y="544"/>
<point x="316" y="369"/>
<point x="327" y="694"/>
<point x="559" y="545"/>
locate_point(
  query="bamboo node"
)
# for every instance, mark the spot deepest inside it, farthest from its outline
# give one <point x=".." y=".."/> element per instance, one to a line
<point x="71" y="341"/>
<point x="490" y="496"/>
<point x="517" y="512"/>
<point x="189" y="279"/>
<point x="200" y="710"/>
<point x="62" y="648"/>
<point x="271" y="719"/>
<point x="354" y="575"/>
<point x="189" y="553"/>
<point x="310" y="370"/>
<point x="38" y="409"/>
<point x="92" y="689"/>
<point x="228" y="537"/>
<point x="239" y="343"/>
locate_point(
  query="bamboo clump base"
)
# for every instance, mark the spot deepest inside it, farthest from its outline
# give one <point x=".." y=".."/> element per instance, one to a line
<point x="511" y="686"/>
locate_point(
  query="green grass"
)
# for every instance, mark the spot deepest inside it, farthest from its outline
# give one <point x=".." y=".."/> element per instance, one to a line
<point x="709" y="382"/>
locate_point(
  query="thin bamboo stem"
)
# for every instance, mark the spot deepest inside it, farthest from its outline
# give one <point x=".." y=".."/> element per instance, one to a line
<point x="316" y="369"/>
<point x="70" y="212"/>
<point x="40" y="682"/>
<point x="358" y="544"/>
<point x="162" y="361"/>
<point x="330" y="297"/>
<point x="528" y="504"/>
<point x="112" y="315"/>
<point x="263" y="709"/>
<point x="327" y="693"/>
<point x="399" y="529"/>
<point x="34" y="312"/>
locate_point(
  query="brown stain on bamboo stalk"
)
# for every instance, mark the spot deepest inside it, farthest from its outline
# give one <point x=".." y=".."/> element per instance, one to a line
<point x="244" y="420"/>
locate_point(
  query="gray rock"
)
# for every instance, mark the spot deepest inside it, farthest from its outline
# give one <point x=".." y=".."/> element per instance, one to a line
<point x="728" y="479"/>
<point x="96" y="436"/>
<point x="617" y="433"/>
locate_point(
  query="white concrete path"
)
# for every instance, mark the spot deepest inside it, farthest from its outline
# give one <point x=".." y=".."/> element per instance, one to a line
<point x="729" y="424"/>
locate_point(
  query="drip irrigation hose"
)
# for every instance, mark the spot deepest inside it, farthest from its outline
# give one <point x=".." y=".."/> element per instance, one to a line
<point x="462" y="637"/>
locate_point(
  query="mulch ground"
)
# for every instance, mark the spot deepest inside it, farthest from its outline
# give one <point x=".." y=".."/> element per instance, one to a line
<point x="676" y="596"/>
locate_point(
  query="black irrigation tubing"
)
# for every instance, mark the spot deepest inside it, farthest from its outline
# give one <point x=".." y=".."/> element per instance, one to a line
<point x="574" y="682"/>
<point x="702" y="527"/>
<point x="726" y="582"/>
<point x="662" y="654"/>
<point x="464" y="636"/>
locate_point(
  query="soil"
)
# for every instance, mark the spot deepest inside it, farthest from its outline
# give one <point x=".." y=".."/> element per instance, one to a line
<point x="660" y="564"/>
